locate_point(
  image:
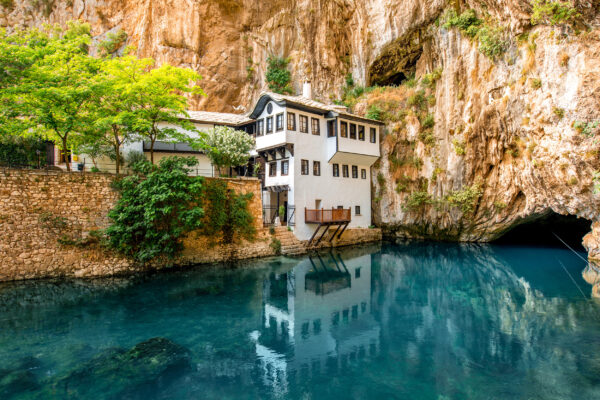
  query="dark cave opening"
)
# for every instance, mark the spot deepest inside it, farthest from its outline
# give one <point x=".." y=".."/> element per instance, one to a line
<point x="393" y="80"/>
<point x="540" y="232"/>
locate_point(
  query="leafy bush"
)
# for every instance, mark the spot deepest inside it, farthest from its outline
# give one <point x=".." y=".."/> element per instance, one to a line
<point x="466" y="198"/>
<point x="226" y="147"/>
<point x="490" y="37"/>
<point x="459" y="147"/>
<point x="278" y="76"/>
<point x="559" y="112"/>
<point x="113" y="41"/>
<point x="586" y="128"/>
<point x="134" y="157"/>
<point x="417" y="100"/>
<point x="158" y="206"/>
<point x="22" y="151"/>
<point x="276" y="246"/>
<point x="429" y="80"/>
<point x="226" y="213"/>
<point x="553" y="12"/>
<point x="417" y="200"/>
<point x="491" y="42"/>
<point x="374" y="112"/>
<point x="536" y="83"/>
<point x="7" y="3"/>
<point x="349" y="80"/>
<point x="428" y="122"/>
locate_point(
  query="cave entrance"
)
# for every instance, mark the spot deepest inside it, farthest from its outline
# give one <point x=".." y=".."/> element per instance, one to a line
<point x="540" y="232"/>
<point x="397" y="61"/>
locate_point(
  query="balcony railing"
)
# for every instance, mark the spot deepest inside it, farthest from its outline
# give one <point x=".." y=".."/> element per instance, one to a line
<point x="332" y="216"/>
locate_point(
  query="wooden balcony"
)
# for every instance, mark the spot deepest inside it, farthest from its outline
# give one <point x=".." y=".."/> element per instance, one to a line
<point x="333" y="216"/>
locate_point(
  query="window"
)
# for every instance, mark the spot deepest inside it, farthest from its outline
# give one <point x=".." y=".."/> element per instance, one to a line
<point x="269" y="125"/>
<point x="260" y="127"/>
<point x="352" y="130"/>
<point x="330" y="128"/>
<point x="291" y="121"/>
<point x="303" y="124"/>
<point x="336" y="170"/>
<point x="273" y="169"/>
<point x="354" y="171"/>
<point x="343" y="129"/>
<point x="316" y="168"/>
<point x="285" y="167"/>
<point x="373" y="135"/>
<point x="279" y="122"/>
<point x="363" y="173"/>
<point x="345" y="171"/>
<point x="357" y="273"/>
<point x="315" y="126"/>
<point x="270" y="108"/>
<point x="356" y="210"/>
<point x="304" y="167"/>
<point x="361" y="133"/>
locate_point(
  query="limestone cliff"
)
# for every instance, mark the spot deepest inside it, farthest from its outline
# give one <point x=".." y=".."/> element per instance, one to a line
<point x="475" y="145"/>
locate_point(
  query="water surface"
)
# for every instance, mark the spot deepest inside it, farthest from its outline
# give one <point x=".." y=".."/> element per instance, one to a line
<point x="419" y="321"/>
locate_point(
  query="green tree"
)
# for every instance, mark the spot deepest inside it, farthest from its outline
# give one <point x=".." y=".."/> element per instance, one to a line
<point x="158" y="104"/>
<point x="158" y="206"/>
<point x="225" y="146"/>
<point x="56" y="92"/>
<point x="278" y="76"/>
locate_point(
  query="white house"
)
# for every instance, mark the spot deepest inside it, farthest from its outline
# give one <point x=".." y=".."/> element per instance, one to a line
<point x="317" y="163"/>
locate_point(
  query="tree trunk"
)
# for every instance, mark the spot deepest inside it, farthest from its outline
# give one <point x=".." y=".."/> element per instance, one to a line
<point x="152" y="150"/>
<point x="117" y="146"/>
<point x="66" y="152"/>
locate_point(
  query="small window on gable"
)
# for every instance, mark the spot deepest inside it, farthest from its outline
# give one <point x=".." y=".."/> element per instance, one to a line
<point x="361" y="132"/>
<point x="373" y="135"/>
<point x="315" y="128"/>
<point x="269" y="125"/>
<point x="352" y="131"/>
<point x="303" y="124"/>
<point x="279" y="122"/>
<point x="343" y="129"/>
<point x="291" y="121"/>
<point x="270" y="108"/>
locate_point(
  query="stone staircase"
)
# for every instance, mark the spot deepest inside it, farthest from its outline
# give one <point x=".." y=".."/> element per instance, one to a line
<point x="290" y="245"/>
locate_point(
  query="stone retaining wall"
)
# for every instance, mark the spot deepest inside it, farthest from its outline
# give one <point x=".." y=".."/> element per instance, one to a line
<point x="41" y="209"/>
<point x="46" y="218"/>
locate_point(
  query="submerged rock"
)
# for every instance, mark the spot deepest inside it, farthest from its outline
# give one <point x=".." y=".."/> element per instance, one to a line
<point x="117" y="373"/>
<point x="12" y="383"/>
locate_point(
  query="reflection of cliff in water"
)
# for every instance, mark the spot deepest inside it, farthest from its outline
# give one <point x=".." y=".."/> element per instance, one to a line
<point x="466" y="315"/>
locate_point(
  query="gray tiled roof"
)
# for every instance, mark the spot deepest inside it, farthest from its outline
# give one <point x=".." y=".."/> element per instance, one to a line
<point x="219" y="118"/>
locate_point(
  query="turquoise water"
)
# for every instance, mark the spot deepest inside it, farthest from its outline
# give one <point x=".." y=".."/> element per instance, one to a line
<point x="419" y="321"/>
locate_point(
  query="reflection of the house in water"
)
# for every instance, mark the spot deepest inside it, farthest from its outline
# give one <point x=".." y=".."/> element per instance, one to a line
<point x="316" y="317"/>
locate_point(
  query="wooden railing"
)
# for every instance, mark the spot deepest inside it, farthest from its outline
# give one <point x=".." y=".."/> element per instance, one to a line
<point x="322" y="216"/>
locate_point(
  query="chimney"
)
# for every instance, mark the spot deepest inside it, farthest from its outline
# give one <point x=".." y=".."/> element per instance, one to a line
<point x="307" y="90"/>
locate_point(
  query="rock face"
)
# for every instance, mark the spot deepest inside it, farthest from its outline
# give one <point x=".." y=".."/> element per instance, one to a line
<point x="504" y="147"/>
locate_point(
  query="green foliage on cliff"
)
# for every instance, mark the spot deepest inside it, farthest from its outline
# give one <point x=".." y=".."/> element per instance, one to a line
<point x="113" y="41"/>
<point x="490" y="36"/>
<point x="466" y="198"/>
<point x="416" y="200"/>
<point x="158" y="206"/>
<point x="553" y="12"/>
<point x="278" y="76"/>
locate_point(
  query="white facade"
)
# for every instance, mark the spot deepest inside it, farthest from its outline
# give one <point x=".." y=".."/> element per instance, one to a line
<point x="352" y="158"/>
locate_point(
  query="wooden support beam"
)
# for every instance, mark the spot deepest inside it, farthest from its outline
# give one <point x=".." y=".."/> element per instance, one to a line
<point x="343" y="230"/>
<point x="313" y="235"/>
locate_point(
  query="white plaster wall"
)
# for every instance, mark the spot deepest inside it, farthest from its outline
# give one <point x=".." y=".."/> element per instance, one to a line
<point x="359" y="146"/>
